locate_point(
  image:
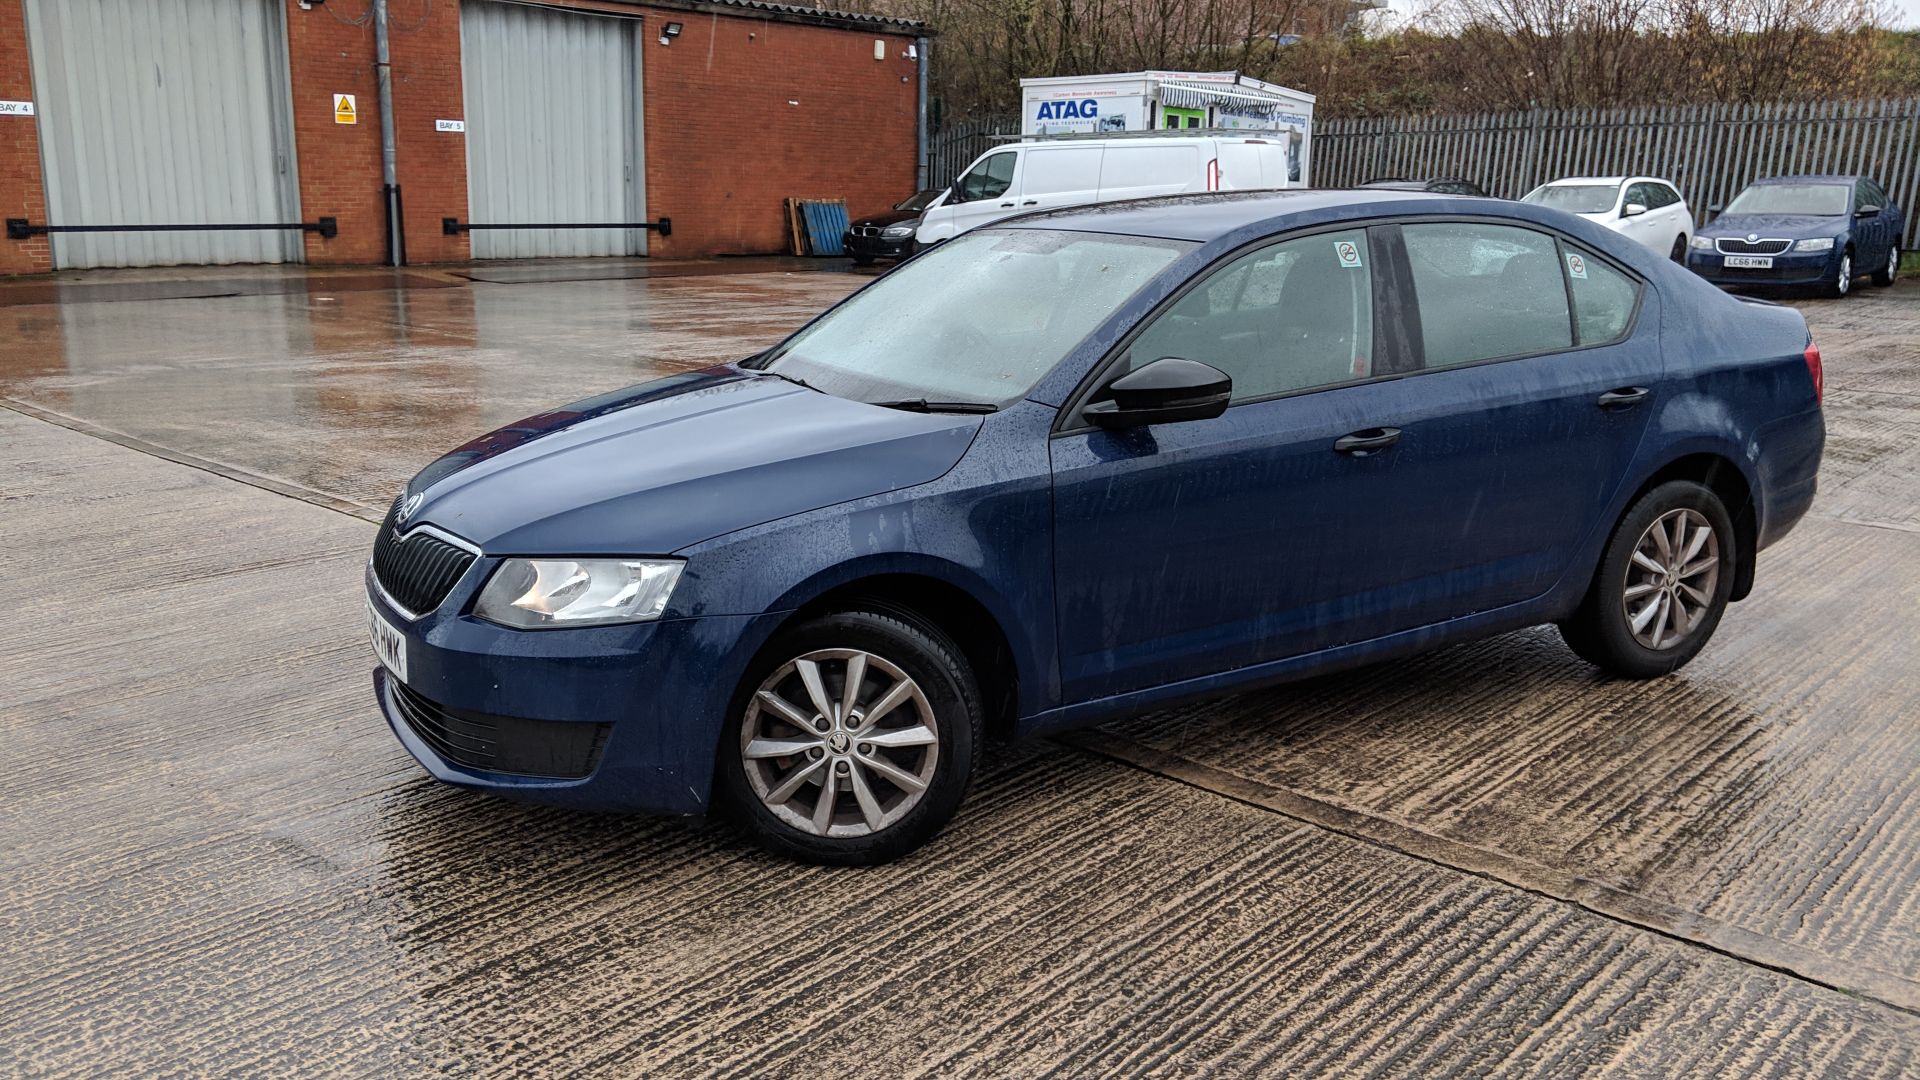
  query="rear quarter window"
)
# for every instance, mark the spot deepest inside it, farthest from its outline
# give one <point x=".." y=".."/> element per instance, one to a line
<point x="1604" y="299"/>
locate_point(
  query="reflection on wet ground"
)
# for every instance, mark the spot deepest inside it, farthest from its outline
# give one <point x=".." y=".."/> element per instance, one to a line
<point x="350" y="392"/>
<point x="1488" y="860"/>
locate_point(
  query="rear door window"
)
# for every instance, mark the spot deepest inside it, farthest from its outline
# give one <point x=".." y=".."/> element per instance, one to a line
<point x="1486" y="291"/>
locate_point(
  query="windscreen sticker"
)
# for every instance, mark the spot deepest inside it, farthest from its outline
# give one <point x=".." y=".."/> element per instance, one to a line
<point x="1349" y="253"/>
<point x="1577" y="266"/>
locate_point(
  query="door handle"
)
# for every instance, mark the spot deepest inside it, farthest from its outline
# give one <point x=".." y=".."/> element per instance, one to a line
<point x="1031" y="202"/>
<point x="1370" y="441"/>
<point x="1006" y="204"/>
<point x="1624" y="398"/>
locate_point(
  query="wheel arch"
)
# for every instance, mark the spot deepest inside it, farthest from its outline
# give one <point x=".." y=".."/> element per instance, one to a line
<point x="1723" y="475"/>
<point x="944" y="596"/>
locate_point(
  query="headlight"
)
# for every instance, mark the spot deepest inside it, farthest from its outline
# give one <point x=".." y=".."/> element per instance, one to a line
<point x="1818" y="243"/>
<point x="897" y="231"/>
<point x="534" y="594"/>
<point x="1701" y="243"/>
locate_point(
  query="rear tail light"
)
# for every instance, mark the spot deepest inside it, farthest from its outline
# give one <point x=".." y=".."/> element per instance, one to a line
<point x="1819" y="373"/>
<point x="1213" y="175"/>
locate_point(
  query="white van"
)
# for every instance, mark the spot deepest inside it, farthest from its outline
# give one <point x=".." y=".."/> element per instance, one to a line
<point x="1048" y="173"/>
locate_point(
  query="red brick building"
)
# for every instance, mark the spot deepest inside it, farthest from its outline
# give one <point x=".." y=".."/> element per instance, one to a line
<point x="195" y="112"/>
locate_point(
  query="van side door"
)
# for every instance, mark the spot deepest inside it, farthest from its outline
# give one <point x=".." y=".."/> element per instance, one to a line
<point x="1137" y="170"/>
<point x="1059" y="175"/>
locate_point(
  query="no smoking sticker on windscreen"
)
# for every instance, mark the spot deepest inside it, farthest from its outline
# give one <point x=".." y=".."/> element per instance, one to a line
<point x="1577" y="266"/>
<point x="1349" y="253"/>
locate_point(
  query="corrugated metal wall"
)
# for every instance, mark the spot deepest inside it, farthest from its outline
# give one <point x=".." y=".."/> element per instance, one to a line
<point x="1709" y="151"/>
<point x="553" y="129"/>
<point x="164" y="112"/>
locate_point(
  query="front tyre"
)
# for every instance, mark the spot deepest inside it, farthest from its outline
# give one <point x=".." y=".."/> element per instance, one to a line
<point x="1889" y="273"/>
<point x="1662" y="584"/>
<point x="852" y="739"/>
<point x="1679" y="252"/>
<point x="1842" y="281"/>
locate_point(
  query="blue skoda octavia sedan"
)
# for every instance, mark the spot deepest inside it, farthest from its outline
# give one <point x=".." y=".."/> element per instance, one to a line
<point x="1083" y="464"/>
<point x="1809" y="232"/>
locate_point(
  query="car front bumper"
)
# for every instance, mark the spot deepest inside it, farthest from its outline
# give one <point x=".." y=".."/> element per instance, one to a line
<point x="651" y="697"/>
<point x="1788" y="269"/>
<point x="879" y="247"/>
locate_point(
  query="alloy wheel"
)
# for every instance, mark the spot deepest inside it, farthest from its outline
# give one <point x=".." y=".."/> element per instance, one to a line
<point x="840" y="742"/>
<point x="1671" y="579"/>
<point x="1893" y="265"/>
<point x="1845" y="280"/>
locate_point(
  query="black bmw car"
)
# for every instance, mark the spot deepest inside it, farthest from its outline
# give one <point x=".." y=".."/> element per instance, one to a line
<point x="888" y="235"/>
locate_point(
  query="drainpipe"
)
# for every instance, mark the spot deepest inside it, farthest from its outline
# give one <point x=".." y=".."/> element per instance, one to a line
<point x="389" y="170"/>
<point x="920" y="50"/>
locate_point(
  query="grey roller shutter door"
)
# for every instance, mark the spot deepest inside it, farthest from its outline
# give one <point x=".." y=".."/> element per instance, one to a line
<point x="165" y="112"/>
<point x="553" y="129"/>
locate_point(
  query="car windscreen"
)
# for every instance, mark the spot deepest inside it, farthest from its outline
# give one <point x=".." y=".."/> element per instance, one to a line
<point x="1575" y="198"/>
<point x="978" y="319"/>
<point x="1817" y="200"/>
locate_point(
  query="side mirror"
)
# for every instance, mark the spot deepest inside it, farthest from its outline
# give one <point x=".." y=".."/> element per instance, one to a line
<point x="1633" y="209"/>
<point x="1866" y="211"/>
<point x="1166" y="391"/>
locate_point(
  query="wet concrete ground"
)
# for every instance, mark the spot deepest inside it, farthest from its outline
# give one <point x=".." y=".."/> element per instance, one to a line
<point x="1489" y="860"/>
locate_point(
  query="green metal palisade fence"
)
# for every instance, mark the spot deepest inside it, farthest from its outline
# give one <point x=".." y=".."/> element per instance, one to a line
<point x="1709" y="151"/>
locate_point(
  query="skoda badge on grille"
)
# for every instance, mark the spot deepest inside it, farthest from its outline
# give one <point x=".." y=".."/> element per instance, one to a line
<point x="407" y="508"/>
<point x="1752" y="238"/>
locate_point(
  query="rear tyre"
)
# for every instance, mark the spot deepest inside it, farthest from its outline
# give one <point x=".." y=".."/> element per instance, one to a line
<point x="851" y="739"/>
<point x="1889" y="273"/>
<point x="1679" y="252"/>
<point x="1662" y="584"/>
<point x="1842" y="281"/>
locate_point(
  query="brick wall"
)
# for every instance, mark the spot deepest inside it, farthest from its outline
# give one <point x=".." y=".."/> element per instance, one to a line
<point x="741" y="112"/>
<point x="21" y="192"/>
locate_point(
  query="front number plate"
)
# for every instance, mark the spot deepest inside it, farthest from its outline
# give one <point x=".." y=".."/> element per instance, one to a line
<point x="1750" y="262"/>
<point x="388" y="644"/>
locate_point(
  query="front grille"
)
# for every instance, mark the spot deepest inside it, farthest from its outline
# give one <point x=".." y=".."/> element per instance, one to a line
<point x="503" y="744"/>
<point x="416" y="569"/>
<point x="1734" y="245"/>
<point x="866" y="230"/>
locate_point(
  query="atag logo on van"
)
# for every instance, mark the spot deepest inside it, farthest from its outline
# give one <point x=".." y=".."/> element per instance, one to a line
<point x="1087" y="109"/>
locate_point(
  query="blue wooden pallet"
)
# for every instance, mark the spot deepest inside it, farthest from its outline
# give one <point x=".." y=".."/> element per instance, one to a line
<point x="826" y="226"/>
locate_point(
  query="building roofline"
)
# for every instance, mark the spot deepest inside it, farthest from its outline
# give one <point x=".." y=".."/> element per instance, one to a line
<point x="792" y="13"/>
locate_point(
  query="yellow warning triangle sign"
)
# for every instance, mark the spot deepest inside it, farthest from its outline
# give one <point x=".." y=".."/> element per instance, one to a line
<point x="343" y="111"/>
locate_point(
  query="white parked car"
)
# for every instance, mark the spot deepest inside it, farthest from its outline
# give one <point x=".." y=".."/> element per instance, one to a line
<point x="1050" y="173"/>
<point x="1644" y="208"/>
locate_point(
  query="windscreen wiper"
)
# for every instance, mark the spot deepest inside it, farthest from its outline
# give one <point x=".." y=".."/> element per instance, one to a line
<point x="923" y="405"/>
<point x="794" y="379"/>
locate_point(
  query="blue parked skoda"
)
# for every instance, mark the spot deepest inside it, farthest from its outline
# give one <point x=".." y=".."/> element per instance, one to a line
<point x="1817" y="233"/>
<point x="1123" y="456"/>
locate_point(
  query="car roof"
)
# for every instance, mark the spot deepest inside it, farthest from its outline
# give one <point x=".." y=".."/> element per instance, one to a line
<point x="1809" y="178"/>
<point x="1204" y="217"/>
<point x="1614" y="180"/>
